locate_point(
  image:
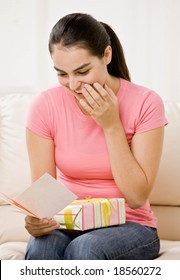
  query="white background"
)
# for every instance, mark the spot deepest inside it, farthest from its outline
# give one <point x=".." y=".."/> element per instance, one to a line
<point x="149" y="31"/>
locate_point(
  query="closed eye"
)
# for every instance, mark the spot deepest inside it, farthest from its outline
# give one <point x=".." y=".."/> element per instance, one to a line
<point x="83" y="72"/>
<point x="61" y="74"/>
<point x="78" y="73"/>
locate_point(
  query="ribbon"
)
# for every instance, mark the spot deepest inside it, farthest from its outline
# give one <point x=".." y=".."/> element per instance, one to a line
<point x="68" y="218"/>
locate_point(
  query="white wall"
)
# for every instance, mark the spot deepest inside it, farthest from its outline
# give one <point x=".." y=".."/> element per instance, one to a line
<point x="149" y="31"/>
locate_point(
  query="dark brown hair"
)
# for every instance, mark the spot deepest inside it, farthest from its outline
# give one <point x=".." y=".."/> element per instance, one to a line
<point x="79" y="29"/>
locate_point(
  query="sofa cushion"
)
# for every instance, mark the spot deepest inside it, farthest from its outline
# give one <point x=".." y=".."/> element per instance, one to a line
<point x="14" y="166"/>
<point x="12" y="225"/>
<point x="166" y="190"/>
<point x="12" y="251"/>
<point x="170" y="250"/>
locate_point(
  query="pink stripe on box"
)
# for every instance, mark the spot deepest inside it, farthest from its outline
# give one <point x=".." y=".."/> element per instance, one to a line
<point x="87" y="212"/>
<point x="93" y="216"/>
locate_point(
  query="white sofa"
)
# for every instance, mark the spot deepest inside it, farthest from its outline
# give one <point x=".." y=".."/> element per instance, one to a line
<point x="15" y="177"/>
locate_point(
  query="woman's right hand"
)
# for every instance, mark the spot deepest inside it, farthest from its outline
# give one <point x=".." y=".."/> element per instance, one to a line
<point x="39" y="227"/>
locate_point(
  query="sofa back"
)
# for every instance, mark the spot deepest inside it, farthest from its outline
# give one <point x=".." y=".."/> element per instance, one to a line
<point x="165" y="197"/>
<point x="14" y="166"/>
<point x="15" y="173"/>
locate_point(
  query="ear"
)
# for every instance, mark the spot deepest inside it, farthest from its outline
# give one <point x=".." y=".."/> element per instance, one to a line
<point x="108" y="54"/>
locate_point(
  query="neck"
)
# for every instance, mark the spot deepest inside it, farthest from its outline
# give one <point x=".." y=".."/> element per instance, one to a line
<point x="113" y="83"/>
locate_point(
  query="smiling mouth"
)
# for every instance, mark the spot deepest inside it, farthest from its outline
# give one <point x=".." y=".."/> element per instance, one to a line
<point x="77" y="94"/>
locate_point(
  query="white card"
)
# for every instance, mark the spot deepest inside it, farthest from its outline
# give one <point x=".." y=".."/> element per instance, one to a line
<point x="44" y="198"/>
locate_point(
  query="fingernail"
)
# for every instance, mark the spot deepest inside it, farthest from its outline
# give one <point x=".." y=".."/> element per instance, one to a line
<point x="82" y="102"/>
<point x="95" y="84"/>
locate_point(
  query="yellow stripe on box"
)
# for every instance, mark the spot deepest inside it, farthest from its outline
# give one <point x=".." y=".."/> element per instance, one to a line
<point x="68" y="218"/>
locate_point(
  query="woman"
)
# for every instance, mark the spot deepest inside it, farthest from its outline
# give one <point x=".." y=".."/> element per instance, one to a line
<point x="101" y="136"/>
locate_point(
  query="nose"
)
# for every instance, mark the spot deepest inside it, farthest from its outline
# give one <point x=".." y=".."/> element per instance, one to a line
<point x="74" y="83"/>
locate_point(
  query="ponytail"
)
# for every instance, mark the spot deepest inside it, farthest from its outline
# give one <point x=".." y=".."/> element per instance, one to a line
<point x="117" y="67"/>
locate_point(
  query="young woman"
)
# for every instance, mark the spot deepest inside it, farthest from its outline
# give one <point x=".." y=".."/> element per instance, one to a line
<point x="101" y="136"/>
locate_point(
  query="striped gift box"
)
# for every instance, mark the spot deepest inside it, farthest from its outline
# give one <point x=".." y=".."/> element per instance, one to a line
<point x="92" y="213"/>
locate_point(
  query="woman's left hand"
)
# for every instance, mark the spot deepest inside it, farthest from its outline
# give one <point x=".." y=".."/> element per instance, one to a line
<point x="101" y="104"/>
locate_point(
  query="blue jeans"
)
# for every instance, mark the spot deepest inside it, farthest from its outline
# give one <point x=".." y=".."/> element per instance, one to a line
<point x="130" y="241"/>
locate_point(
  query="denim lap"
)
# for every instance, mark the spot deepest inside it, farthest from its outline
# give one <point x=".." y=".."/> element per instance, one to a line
<point x="124" y="242"/>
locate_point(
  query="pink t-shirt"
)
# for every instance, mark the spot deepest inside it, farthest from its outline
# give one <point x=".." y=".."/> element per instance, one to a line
<point x="80" y="149"/>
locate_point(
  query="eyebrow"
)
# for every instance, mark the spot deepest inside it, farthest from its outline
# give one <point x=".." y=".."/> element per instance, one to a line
<point x="77" y="69"/>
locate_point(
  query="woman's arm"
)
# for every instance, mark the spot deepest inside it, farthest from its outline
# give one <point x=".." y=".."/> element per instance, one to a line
<point x="134" y="169"/>
<point x="41" y="158"/>
<point x="41" y="155"/>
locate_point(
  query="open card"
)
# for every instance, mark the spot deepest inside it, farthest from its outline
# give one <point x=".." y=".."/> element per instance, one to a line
<point x="44" y="198"/>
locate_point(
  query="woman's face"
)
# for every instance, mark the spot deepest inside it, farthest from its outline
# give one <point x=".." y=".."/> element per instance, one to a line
<point x="76" y="67"/>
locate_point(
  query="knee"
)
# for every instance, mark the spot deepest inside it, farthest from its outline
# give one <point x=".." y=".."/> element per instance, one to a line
<point x="83" y="248"/>
<point x="35" y="249"/>
<point x="48" y="247"/>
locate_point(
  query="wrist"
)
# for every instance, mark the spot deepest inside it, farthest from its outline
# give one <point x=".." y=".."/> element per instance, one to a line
<point x="114" y="129"/>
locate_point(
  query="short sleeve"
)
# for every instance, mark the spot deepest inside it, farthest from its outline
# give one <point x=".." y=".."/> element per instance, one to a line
<point x="38" y="118"/>
<point x="152" y="113"/>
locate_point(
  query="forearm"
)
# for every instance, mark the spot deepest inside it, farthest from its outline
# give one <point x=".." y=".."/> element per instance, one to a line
<point x="127" y="173"/>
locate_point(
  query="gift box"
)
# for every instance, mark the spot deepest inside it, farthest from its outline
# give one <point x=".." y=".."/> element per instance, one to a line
<point x="92" y="213"/>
